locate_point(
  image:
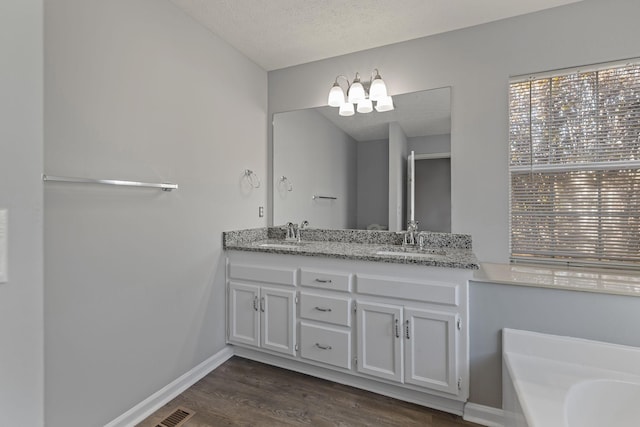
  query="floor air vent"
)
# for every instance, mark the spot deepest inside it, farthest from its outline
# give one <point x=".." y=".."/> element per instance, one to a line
<point x="177" y="418"/>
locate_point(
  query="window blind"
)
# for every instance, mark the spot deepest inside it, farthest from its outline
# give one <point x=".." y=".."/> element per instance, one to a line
<point x="574" y="140"/>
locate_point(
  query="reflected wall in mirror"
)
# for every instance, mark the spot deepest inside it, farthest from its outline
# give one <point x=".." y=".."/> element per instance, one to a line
<point x="351" y="172"/>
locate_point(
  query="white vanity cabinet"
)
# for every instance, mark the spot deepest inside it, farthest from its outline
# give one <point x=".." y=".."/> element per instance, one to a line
<point x="261" y="310"/>
<point x="325" y="316"/>
<point x="394" y="329"/>
<point x="408" y="345"/>
<point x="414" y="336"/>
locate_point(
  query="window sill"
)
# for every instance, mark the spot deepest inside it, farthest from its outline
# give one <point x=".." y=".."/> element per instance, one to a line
<point x="604" y="281"/>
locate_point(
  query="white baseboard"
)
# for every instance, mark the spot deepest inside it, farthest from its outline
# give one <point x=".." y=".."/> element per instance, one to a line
<point x="160" y="398"/>
<point x="483" y="415"/>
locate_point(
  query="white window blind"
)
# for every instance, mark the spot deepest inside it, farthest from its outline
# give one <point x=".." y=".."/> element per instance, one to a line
<point x="575" y="167"/>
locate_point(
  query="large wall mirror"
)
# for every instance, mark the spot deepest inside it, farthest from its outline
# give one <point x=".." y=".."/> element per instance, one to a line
<point x="351" y="172"/>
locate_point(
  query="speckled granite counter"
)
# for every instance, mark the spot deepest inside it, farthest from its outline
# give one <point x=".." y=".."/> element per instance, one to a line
<point x="441" y="249"/>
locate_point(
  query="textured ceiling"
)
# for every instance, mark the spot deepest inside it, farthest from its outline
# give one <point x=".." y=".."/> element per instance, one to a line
<point x="281" y="33"/>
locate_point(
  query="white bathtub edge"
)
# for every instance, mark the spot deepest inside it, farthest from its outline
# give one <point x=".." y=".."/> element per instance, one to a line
<point x="572" y="350"/>
<point x="536" y="384"/>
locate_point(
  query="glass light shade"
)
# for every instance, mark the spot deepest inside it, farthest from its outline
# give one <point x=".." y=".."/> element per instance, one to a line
<point x="346" y="109"/>
<point x="336" y="96"/>
<point x="356" y="92"/>
<point x="378" y="89"/>
<point x="385" y="104"/>
<point x="365" y="106"/>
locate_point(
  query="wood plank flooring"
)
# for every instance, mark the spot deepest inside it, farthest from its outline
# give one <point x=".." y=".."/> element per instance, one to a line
<point x="242" y="392"/>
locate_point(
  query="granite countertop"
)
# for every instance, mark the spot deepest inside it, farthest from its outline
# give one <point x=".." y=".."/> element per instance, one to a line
<point x="441" y="249"/>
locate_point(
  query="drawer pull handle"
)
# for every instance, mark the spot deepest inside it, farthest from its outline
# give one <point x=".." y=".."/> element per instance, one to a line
<point x="262" y="304"/>
<point x="323" y="347"/>
<point x="322" y="309"/>
<point x="323" y="280"/>
<point x="407" y="329"/>
<point x="397" y="329"/>
<point x="255" y="303"/>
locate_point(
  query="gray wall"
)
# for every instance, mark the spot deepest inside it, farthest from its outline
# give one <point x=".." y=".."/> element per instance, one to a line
<point x="433" y="183"/>
<point x="319" y="159"/>
<point x="430" y="144"/>
<point x="21" y="323"/>
<point x="433" y="194"/>
<point x="134" y="290"/>
<point x="610" y="318"/>
<point x="477" y="62"/>
<point x="397" y="177"/>
<point x="373" y="183"/>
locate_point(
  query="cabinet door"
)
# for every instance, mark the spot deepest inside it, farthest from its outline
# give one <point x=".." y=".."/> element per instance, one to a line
<point x="431" y="349"/>
<point x="244" y="314"/>
<point x="278" y="320"/>
<point x="380" y="340"/>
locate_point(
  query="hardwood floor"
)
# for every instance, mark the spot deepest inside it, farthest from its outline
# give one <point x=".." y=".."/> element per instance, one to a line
<point x="242" y="392"/>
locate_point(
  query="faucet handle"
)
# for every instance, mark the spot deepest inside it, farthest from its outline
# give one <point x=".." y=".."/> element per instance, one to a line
<point x="421" y="240"/>
<point x="289" y="230"/>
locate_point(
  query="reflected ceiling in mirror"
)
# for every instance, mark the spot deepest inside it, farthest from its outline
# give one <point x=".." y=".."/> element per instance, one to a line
<point x="317" y="152"/>
<point x="418" y="114"/>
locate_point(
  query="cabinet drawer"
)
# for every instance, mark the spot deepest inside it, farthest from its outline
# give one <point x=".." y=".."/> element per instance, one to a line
<point x="282" y="276"/>
<point x="325" y="344"/>
<point x="438" y="293"/>
<point x="325" y="309"/>
<point x="325" y="280"/>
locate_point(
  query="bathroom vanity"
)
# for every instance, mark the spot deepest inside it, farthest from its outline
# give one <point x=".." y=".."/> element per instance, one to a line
<point x="355" y="307"/>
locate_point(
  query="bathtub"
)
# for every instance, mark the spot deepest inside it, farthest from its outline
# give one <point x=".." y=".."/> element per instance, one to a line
<point x="554" y="381"/>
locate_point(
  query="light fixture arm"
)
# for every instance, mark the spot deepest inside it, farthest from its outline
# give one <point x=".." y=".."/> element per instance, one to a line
<point x="377" y="76"/>
<point x="365" y="84"/>
<point x="345" y="78"/>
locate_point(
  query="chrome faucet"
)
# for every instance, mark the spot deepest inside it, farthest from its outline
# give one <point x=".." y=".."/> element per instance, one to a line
<point x="410" y="235"/>
<point x="291" y="231"/>
<point x="304" y="224"/>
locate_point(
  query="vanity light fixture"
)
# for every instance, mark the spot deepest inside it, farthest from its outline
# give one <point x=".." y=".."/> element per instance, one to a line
<point x="357" y="95"/>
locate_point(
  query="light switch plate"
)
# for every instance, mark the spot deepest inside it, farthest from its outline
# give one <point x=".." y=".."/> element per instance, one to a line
<point x="4" y="217"/>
